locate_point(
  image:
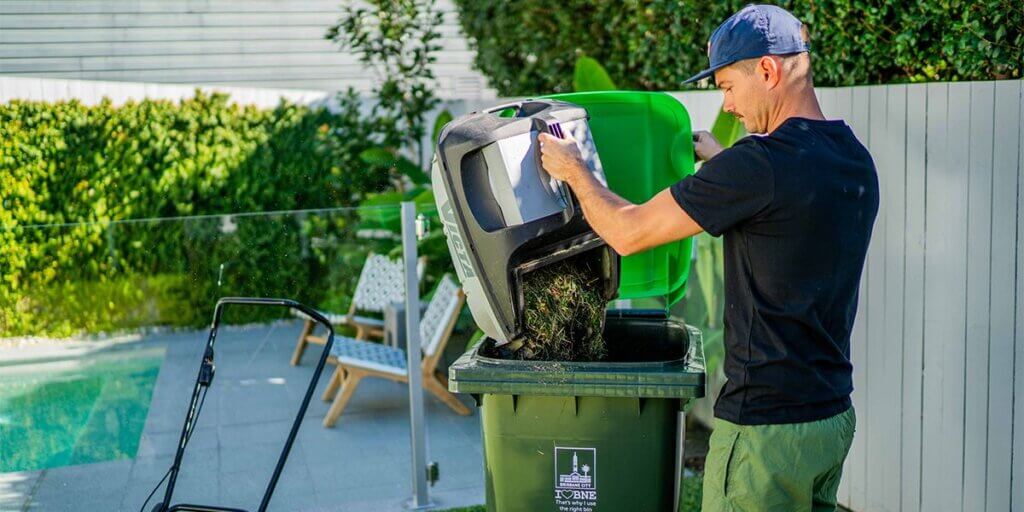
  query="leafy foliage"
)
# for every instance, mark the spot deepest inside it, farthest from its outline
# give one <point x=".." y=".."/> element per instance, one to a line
<point x="397" y="39"/>
<point x="79" y="169"/>
<point x="68" y="162"/>
<point x="589" y="75"/>
<point x="656" y="44"/>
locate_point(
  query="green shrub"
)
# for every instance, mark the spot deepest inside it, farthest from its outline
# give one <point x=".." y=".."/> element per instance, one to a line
<point x="68" y="162"/>
<point x="530" y="46"/>
<point x="124" y="302"/>
<point x="170" y="273"/>
<point x="69" y="172"/>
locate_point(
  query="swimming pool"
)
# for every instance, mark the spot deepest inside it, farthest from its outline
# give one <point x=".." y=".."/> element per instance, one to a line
<point x="75" y="411"/>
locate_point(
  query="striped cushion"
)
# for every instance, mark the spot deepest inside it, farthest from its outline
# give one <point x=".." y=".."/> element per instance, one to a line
<point x="369" y="355"/>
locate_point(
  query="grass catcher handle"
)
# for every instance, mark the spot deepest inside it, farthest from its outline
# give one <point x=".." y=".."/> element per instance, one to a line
<point x="568" y="198"/>
<point x="524" y="108"/>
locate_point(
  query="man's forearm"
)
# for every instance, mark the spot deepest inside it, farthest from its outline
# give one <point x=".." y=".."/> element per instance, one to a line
<point x="608" y="214"/>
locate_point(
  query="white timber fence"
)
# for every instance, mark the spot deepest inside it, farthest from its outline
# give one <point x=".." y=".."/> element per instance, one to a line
<point x="938" y="344"/>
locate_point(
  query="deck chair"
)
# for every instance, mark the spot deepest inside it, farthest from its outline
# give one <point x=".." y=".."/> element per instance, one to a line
<point x="357" y="359"/>
<point x="380" y="283"/>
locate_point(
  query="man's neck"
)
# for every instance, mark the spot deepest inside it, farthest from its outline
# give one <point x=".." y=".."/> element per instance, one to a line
<point x="801" y="104"/>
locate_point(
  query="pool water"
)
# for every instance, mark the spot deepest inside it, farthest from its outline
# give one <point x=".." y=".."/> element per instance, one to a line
<point x="76" y="411"/>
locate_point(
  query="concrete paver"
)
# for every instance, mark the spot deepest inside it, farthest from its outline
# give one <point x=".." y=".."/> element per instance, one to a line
<point x="361" y="464"/>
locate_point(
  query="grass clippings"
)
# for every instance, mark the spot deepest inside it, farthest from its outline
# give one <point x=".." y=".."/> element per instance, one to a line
<point x="564" y="314"/>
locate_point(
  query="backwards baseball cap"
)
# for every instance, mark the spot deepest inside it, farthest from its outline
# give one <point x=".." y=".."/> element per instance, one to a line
<point x="754" y="31"/>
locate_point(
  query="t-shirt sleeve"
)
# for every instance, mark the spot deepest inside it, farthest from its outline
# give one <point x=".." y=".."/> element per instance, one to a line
<point x="729" y="189"/>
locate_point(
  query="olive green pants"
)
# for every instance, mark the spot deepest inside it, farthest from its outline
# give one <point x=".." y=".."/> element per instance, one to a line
<point x="790" y="467"/>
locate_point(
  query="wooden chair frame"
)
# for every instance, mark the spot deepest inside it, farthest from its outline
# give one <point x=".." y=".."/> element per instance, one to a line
<point x="346" y="376"/>
<point x="365" y="327"/>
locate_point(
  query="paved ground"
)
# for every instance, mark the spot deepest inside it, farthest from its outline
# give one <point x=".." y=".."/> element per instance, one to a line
<point x="363" y="464"/>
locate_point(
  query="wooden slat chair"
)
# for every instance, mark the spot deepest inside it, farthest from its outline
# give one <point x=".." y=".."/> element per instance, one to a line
<point x="358" y="359"/>
<point x="381" y="282"/>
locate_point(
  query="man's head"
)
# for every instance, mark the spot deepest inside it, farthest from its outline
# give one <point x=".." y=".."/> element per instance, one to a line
<point x="759" y="59"/>
<point x="753" y="88"/>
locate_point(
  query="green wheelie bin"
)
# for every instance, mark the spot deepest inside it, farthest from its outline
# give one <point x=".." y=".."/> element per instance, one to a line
<point x="588" y="437"/>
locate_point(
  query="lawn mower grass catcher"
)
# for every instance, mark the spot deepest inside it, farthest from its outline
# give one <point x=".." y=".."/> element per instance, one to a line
<point x="202" y="385"/>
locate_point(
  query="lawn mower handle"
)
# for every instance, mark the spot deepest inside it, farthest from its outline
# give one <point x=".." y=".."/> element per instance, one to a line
<point x="205" y="378"/>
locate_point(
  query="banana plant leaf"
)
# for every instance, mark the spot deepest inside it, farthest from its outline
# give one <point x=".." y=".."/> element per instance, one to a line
<point x="589" y="75"/>
<point x="443" y="118"/>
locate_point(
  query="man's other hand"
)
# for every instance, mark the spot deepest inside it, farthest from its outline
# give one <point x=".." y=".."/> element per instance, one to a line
<point x="561" y="158"/>
<point x="705" y="146"/>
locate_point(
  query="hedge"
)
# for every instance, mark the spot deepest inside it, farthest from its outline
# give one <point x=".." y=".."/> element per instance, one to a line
<point x="530" y="46"/>
<point x="70" y="172"/>
<point x="68" y="162"/>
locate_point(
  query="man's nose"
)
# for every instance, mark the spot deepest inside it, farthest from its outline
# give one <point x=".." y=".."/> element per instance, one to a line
<point x="728" y="106"/>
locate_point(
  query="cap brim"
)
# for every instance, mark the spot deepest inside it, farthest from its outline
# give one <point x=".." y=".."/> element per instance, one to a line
<point x="699" y="76"/>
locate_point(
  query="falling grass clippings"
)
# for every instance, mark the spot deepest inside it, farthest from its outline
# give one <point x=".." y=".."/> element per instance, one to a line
<point x="564" y="314"/>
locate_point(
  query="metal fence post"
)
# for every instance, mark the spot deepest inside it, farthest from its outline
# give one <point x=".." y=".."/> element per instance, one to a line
<point x="680" y="458"/>
<point x="420" y="499"/>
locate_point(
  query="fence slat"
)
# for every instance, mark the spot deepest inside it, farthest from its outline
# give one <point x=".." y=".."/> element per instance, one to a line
<point x="891" y="348"/>
<point x="877" y="341"/>
<point x="954" y="352"/>
<point x="1004" y="196"/>
<point x="1017" y="471"/>
<point x="857" y="118"/>
<point x="978" y="273"/>
<point x="914" y="298"/>
<point x="829" y="101"/>
<point x="932" y="486"/>
<point x="954" y="357"/>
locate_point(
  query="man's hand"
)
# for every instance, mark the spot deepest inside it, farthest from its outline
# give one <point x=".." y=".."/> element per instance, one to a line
<point x="561" y="158"/>
<point x="626" y="227"/>
<point x="705" y="147"/>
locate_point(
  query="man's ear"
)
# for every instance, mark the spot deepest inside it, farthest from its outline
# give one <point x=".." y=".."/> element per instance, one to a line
<point x="769" y="70"/>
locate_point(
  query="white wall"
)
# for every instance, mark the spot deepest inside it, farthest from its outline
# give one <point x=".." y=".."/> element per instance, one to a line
<point x="248" y="43"/>
<point x="91" y="92"/>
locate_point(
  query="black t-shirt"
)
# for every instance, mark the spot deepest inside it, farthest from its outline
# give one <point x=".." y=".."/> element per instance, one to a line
<point x="796" y="208"/>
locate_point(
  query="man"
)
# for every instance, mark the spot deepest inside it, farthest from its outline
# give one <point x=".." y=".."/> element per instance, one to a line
<point x="796" y="208"/>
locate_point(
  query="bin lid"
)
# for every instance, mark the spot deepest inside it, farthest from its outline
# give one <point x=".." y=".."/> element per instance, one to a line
<point x="645" y="142"/>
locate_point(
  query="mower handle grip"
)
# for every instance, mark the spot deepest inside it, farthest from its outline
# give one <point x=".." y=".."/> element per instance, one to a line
<point x="259" y="301"/>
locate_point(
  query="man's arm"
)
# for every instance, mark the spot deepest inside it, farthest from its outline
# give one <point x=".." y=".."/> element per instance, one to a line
<point x="630" y="228"/>
<point x="627" y="227"/>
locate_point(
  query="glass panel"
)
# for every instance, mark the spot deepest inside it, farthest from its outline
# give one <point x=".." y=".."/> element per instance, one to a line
<point x="93" y="278"/>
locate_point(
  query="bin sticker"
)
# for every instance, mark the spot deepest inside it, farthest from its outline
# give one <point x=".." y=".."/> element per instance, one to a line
<point x="575" y="479"/>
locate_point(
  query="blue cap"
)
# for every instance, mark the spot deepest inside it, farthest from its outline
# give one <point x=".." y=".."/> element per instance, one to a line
<point x="754" y="31"/>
